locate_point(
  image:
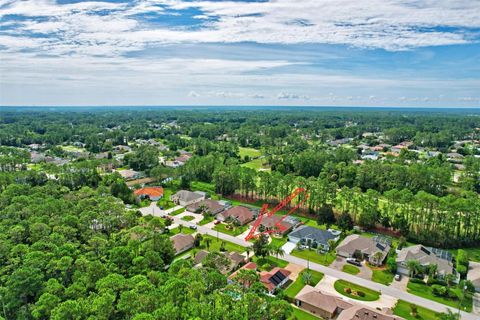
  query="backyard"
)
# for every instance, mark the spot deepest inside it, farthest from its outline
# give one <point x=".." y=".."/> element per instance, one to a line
<point x="215" y="245"/>
<point x="299" y="314"/>
<point x="354" y="291"/>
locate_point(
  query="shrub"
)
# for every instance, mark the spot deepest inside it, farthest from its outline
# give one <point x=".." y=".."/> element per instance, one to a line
<point x="348" y="290"/>
<point x="266" y="266"/>
<point x="452" y="293"/>
<point x="415" y="280"/>
<point x="439" y="290"/>
<point x="462" y="269"/>
<point x="360" y="293"/>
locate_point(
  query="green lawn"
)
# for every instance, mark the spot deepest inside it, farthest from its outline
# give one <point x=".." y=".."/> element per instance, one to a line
<point x="299" y="314"/>
<point x="185" y="230"/>
<point x="350" y="269"/>
<point x="177" y="212"/>
<point x="382" y="276"/>
<point x="314" y="256"/>
<point x="268" y="263"/>
<point x="221" y="227"/>
<point x="257" y="164"/>
<point x="215" y="245"/>
<point x="473" y="253"/>
<point x="403" y="310"/>
<point x="342" y="285"/>
<point x="250" y="152"/>
<point x="298" y="285"/>
<point x="424" y="291"/>
<point x="279" y="242"/>
<point x="205" y="220"/>
<point x="188" y="218"/>
<point x="205" y="187"/>
<point x="165" y="200"/>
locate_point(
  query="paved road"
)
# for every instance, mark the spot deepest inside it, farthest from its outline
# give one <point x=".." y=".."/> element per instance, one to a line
<point x="394" y="292"/>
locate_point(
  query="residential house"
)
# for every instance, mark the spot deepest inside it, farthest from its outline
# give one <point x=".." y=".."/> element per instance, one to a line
<point x="129" y="174"/>
<point x="236" y="260"/>
<point x="455" y="157"/>
<point x="211" y="206"/>
<point x="333" y="307"/>
<point x="270" y="223"/>
<point x="200" y="256"/>
<point x="242" y="215"/>
<point x="321" y="304"/>
<point x="274" y="279"/>
<point x="314" y="237"/>
<point x="186" y="198"/>
<point x="152" y="193"/>
<point x="182" y="242"/>
<point x="425" y="256"/>
<point x="373" y="250"/>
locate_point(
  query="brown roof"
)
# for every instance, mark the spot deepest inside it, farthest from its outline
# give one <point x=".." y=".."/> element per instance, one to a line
<point x="211" y="205"/>
<point x="149" y="191"/>
<point x="358" y="312"/>
<point x="270" y="222"/>
<point x="241" y="213"/>
<point x="181" y="241"/>
<point x="321" y="300"/>
<point x="200" y="256"/>
<point x="248" y="266"/>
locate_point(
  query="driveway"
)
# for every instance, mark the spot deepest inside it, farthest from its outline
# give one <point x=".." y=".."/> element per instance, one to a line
<point x="326" y="285"/>
<point x="295" y="270"/>
<point x="402" y="284"/>
<point x="288" y="247"/>
<point x="365" y="272"/>
<point x="476" y="303"/>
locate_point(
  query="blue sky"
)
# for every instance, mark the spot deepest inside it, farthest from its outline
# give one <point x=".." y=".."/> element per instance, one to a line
<point x="283" y="52"/>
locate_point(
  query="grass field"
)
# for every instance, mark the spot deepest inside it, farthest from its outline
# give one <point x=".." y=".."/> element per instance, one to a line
<point x="314" y="256"/>
<point x="221" y="227"/>
<point x="298" y="285"/>
<point x="215" y="245"/>
<point x="350" y="269"/>
<point x="382" y="276"/>
<point x="257" y="164"/>
<point x="403" y="310"/>
<point x="299" y="314"/>
<point x="188" y="218"/>
<point x="424" y="291"/>
<point x="342" y="285"/>
<point x="250" y="152"/>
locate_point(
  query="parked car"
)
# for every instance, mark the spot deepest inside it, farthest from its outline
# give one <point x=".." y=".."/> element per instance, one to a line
<point x="398" y="277"/>
<point x="193" y="227"/>
<point x="217" y="222"/>
<point x="354" y="261"/>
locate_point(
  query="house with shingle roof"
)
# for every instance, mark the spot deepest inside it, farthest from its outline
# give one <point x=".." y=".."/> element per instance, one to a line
<point x="211" y="206"/>
<point x="312" y="236"/>
<point x="186" y="198"/>
<point x="240" y="214"/>
<point x="274" y="279"/>
<point x="425" y="256"/>
<point x="182" y="242"/>
<point x="355" y="245"/>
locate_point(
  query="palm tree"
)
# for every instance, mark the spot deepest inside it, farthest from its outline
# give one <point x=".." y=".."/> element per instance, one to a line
<point x="432" y="270"/>
<point x="413" y="268"/>
<point x="247" y="250"/>
<point x="180" y="227"/>
<point x="378" y="256"/>
<point x="307" y="276"/>
<point x="278" y="251"/>
<point x="246" y="277"/>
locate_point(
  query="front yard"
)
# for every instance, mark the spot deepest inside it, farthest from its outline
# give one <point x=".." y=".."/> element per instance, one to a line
<point x="230" y="229"/>
<point x="185" y="230"/>
<point x="424" y="291"/>
<point x="205" y="220"/>
<point x="215" y="245"/>
<point x="356" y="292"/>
<point x="404" y="310"/>
<point x="298" y="285"/>
<point x="268" y="263"/>
<point x="321" y="258"/>
<point x="350" y="269"/>
<point x="177" y="212"/>
<point x="382" y="276"/>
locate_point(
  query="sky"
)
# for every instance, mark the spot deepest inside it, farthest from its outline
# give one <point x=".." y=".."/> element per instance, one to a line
<point x="412" y="53"/>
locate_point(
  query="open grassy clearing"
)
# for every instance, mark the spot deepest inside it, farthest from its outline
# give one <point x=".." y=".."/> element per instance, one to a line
<point x="215" y="245"/>
<point x="343" y="288"/>
<point x="250" y="152"/>
<point x="258" y="164"/>
<point x="424" y="291"/>
<point x="209" y="188"/>
<point x="404" y="310"/>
